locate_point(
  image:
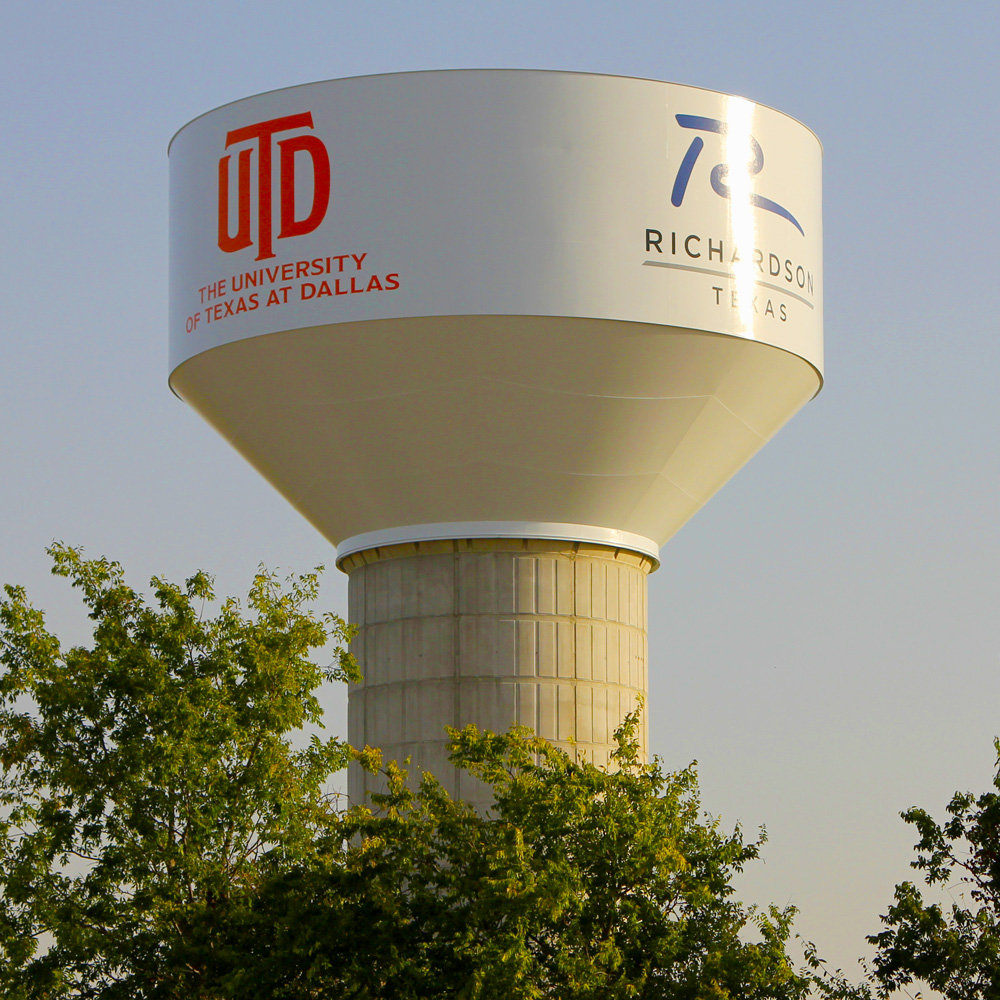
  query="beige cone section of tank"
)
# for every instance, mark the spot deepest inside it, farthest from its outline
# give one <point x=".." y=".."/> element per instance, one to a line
<point x="369" y="426"/>
<point x="551" y="635"/>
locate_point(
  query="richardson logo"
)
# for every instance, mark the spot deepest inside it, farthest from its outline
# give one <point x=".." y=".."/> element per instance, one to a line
<point x="720" y="172"/>
<point x="259" y="136"/>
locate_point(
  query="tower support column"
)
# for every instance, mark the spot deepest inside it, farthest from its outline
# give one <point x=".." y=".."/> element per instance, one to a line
<point x="548" y="634"/>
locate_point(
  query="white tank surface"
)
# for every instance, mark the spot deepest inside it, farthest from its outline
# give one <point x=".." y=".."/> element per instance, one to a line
<point x="496" y="303"/>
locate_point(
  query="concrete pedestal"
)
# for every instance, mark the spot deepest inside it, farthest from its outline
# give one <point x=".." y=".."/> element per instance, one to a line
<point x="548" y="634"/>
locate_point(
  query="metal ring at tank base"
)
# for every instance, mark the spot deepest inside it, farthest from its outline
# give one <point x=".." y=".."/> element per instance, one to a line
<point x="551" y="530"/>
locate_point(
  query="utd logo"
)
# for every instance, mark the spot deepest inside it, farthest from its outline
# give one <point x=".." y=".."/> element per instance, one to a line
<point x="720" y="172"/>
<point x="259" y="135"/>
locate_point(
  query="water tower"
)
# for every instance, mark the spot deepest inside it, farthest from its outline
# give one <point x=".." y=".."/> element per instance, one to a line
<point x="497" y="334"/>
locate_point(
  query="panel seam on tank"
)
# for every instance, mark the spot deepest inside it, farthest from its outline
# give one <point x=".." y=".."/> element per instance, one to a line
<point x="733" y="413"/>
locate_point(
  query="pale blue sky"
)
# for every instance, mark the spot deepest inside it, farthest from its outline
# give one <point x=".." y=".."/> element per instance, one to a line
<point x="824" y="635"/>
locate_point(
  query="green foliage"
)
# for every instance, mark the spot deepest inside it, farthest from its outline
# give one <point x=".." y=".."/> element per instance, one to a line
<point x="583" y="883"/>
<point x="161" y="837"/>
<point x="955" y="949"/>
<point x="149" y="783"/>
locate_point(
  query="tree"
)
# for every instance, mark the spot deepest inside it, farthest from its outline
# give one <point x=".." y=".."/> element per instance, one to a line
<point x="954" y="949"/>
<point x="149" y="780"/>
<point x="582" y="883"/>
<point x="163" y="838"/>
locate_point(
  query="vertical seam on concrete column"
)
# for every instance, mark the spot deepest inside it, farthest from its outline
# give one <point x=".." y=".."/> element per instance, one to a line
<point x="571" y="563"/>
<point x="456" y="624"/>
<point x="536" y="671"/>
<point x="365" y="780"/>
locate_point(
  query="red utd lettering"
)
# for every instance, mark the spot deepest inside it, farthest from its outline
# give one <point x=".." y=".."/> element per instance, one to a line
<point x="261" y="133"/>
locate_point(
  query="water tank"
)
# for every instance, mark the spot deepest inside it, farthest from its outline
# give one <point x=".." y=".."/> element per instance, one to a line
<point x="481" y="324"/>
